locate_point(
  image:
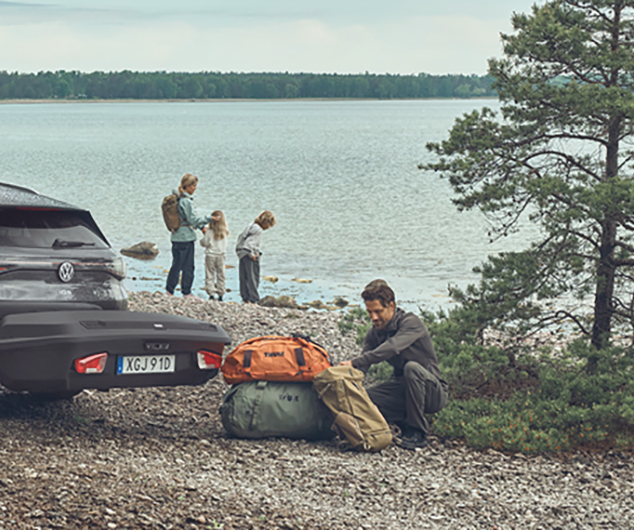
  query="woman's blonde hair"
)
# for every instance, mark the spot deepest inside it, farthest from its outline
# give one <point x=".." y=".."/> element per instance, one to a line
<point x="219" y="227"/>
<point x="266" y="219"/>
<point x="187" y="180"/>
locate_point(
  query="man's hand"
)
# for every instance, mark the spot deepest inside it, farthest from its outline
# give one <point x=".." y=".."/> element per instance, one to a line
<point x="345" y="363"/>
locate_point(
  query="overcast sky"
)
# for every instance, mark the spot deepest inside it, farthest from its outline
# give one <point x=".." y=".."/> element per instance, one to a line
<point x="331" y="36"/>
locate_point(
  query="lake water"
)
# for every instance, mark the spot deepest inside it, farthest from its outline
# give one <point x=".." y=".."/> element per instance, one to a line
<point x="341" y="177"/>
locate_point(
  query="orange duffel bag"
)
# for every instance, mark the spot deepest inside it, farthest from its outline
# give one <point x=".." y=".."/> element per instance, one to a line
<point x="274" y="358"/>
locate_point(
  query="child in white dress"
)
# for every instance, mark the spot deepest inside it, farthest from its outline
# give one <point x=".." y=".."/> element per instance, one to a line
<point x="215" y="243"/>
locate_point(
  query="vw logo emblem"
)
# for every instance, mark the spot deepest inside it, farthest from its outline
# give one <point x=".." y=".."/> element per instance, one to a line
<point x="66" y="271"/>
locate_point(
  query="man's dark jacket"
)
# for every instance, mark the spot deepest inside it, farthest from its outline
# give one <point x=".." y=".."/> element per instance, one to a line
<point x="404" y="339"/>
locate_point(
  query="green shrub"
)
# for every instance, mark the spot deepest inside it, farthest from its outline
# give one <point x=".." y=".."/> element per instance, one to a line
<point x="569" y="405"/>
<point x="509" y="397"/>
<point x="357" y="320"/>
<point x="381" y="371"/>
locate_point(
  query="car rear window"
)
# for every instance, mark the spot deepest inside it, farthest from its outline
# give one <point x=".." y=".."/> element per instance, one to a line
<point x="39" y="228"/>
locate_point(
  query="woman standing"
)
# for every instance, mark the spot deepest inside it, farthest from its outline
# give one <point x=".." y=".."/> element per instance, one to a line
<point x="183" y="239"/>
<point x="248" y="250"/>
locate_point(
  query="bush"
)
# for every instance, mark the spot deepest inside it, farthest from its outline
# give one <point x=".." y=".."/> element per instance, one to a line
<point x="357" y="320"/>
<point x="534" y="401"/>
<point x="380" y="372"/>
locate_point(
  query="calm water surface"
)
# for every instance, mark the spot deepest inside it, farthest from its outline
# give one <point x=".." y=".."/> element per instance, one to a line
<point x="340" y="176"/>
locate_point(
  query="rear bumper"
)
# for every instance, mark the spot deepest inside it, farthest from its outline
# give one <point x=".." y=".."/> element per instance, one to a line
<point x="38" y="350"/>
<point x="53" y="372"/>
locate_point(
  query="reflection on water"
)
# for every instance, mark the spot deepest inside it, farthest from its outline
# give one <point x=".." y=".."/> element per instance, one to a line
<point x="341" y="177"/>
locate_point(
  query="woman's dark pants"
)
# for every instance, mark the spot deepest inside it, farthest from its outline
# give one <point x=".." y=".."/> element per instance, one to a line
<point x="182" y="260"/>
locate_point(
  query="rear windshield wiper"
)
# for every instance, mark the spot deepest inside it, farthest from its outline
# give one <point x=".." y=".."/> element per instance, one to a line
<point x="62" y="243"/>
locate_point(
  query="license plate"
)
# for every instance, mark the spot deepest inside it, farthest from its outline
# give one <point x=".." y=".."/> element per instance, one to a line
<point x="146" y="364"/>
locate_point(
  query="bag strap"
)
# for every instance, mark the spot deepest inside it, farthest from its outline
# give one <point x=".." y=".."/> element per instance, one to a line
<point x="248" y="355"/>
<point x="325" y="389"/>
<point x="307" y="339"/>
<point x="257" y="401"/>
<point x="299" y="355"/>
<point x="183" y="222"/>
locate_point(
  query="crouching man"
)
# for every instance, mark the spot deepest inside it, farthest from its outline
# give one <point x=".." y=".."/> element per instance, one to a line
<point x="416" y="386"/>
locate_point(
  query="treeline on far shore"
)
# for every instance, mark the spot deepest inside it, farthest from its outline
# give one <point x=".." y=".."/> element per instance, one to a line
<point x="212" y="85"/>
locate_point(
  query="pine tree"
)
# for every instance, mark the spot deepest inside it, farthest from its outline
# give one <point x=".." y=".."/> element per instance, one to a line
<point x="559" y="153"/>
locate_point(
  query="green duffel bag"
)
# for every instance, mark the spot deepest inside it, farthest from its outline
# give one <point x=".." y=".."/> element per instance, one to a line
<point x="261" y="409"/>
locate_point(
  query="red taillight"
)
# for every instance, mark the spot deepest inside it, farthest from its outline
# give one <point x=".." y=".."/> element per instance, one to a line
<point x="93" y="364"/>
<point x="208" y="360"/>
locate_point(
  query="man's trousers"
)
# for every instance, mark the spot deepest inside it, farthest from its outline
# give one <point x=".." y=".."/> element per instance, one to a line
<point x="405" y="399"/>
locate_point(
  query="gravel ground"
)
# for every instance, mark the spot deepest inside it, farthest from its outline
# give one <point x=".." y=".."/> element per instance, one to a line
<point x="158" y="458"/>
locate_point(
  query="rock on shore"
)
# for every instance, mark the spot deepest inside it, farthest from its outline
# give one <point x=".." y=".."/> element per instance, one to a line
<point x="145" y="250"/>
<point x="158" y="458"/>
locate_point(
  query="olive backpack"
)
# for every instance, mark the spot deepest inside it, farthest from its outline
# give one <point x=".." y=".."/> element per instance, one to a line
<point x="169" y="207"/>
<point x="356" y="418"/>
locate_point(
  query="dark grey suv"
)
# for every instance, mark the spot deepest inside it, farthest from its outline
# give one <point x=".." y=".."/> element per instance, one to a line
<point x="63" y="320"/>
<point x="53" y="256"/>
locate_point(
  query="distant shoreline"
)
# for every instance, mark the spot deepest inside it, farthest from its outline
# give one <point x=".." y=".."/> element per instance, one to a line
<point x="219" y="100"/>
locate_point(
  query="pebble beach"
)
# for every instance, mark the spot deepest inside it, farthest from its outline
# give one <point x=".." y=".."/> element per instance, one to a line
<point x="158" y="458"/>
